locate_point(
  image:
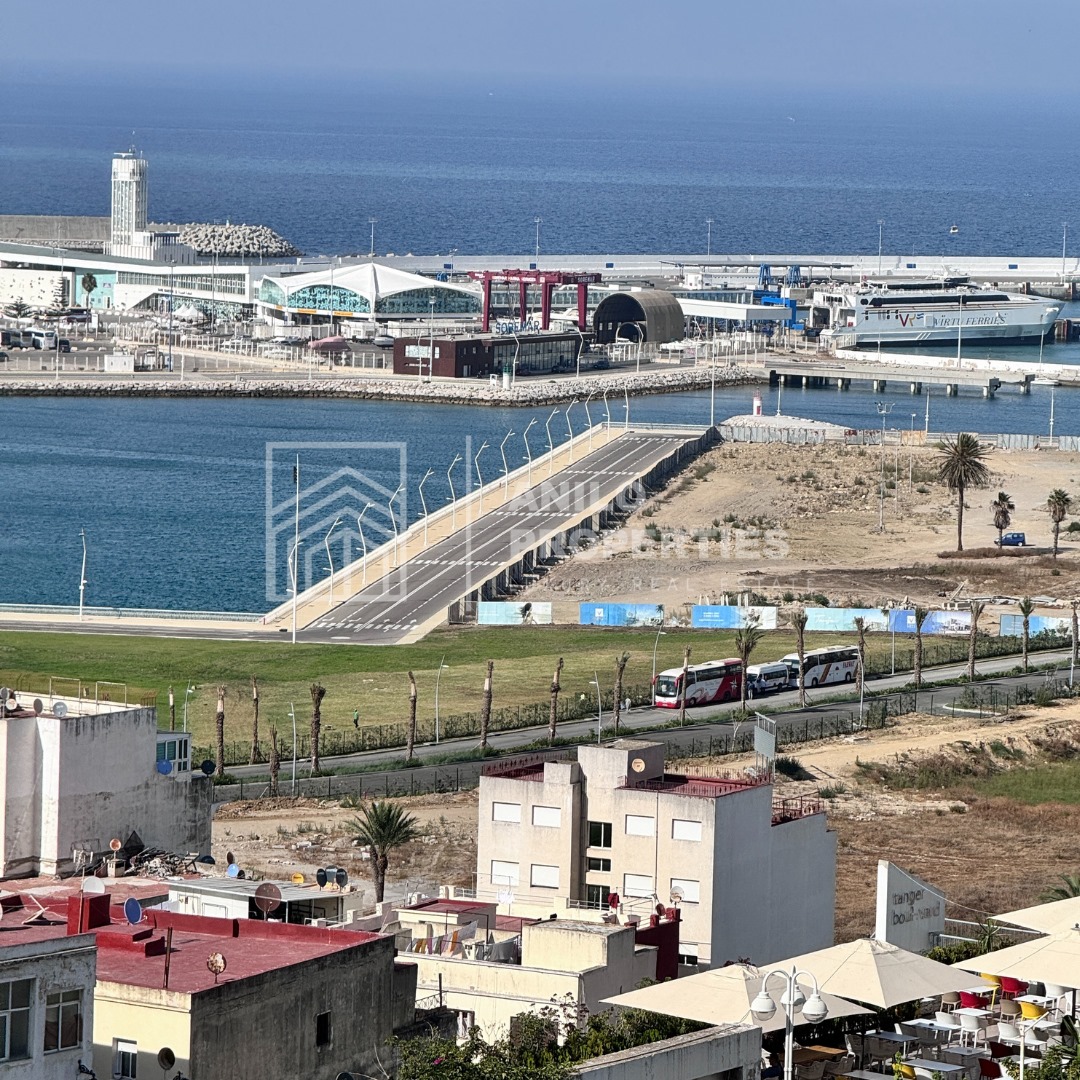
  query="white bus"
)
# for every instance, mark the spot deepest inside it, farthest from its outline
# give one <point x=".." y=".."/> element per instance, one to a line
<point x="717" y="680"/>
<point x="838" y="663"/>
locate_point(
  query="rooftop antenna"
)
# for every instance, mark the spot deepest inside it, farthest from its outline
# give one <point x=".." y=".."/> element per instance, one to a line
<point x="133" y="911"/>
<point x="38" y="707"/>
<point x="59" y="710"/>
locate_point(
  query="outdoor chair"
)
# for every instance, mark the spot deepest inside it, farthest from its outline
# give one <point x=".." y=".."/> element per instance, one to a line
<point x="906" y="1072"/>
<point x="856" y="1049"/>
<point x="1030" y="1011"/>
<point x="813" y="1071"/>
<point x="1059" y="994"/>
<point x="1011" y="987"/>
<point x="1000" y="1050"/>
<point x="841" y="1067"/>
<point x="950" y="1001"/>
<point x="995" y="986"/>
<point x="1010" y="1009"/>
<point x="877" y="1050"/>
<point x="971" y="1027"/>
<point x="969" y="1000"/>
<point x="989" y="1069"/>
<point x="948" y="1020"/>
<point x="1008" y="1033"/>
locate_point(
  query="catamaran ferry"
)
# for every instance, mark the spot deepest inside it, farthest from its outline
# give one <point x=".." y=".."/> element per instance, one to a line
<point x="903" y="312"/>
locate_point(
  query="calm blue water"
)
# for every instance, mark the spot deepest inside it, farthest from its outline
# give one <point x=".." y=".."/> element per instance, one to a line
<point x="173" y="494"/>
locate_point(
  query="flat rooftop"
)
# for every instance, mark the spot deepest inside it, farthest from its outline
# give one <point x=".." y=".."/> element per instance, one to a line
<point x="21" y="704"/>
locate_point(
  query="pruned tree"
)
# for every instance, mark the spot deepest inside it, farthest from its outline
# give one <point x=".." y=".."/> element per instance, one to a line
<point x="682" y="685"/>
<point x="920" y="614"/>
<point x="962" y="465"/>
<point x="620" y="668"/>
<point x="977" y="608"/>
<point x="410" y="735"/>
<point x="747" y="638"/>
<point x="860" y="628"/>
<point x="275" y="762"/>
<point x="381" y="827"/>
<point x="798" y="621"/>
<point x="1002" y="507"/>
<point x="318" y="692"/>
<point x="1026" y="607"/>
<point x="89" y="284"/>
<point x="485" y="707"/>
<point x="172" y="710"/>
<point x="1075" y="644"/>
<point x="219" y="731"/>
<point x="1058" y="503"/>
<point x="553" y="719"/>
<point x="254" y="720"/>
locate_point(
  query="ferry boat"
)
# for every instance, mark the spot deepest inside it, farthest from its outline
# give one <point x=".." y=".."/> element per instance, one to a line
<point x="929" y="312"/>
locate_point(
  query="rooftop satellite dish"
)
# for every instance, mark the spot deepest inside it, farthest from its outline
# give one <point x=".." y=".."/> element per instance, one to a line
<point x="298" y="879"/>
<point x="59" y="710"/>
<point x="166" y="1059"/>
<point x="267" y="897"/>
<point x="207" y="860"/>
<point x="320" y="877"/>
<point x="133" y="911"/>
<point x="505" y="896"/>
<point x="93" y="886"/>
<point x="230" y="857"/>
<point x="164" y="767"/>
<point x="232" y="870"/>
<point x="39" y="708"/>
<point x="207" y="767"/>
<point x="114" y="844"/>
<point x="216" y="964"/>
<point x="638" y="764"/>
<point x="659" y="909"/>
<point x="341" y="878"/>
<point x="675" y="896"/>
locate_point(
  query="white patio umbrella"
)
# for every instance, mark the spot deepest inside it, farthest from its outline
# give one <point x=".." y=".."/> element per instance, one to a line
<point x="723" y="996"/>
<point x="878" y="973"/>
<point x="1053" y="959"/>
<point x="1050" y="918"/>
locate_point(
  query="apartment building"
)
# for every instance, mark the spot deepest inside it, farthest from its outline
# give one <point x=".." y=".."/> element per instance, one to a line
<point x="612" y="835"/>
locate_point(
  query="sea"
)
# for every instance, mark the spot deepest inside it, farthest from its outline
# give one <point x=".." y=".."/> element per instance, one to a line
<point x="180" y="501"/>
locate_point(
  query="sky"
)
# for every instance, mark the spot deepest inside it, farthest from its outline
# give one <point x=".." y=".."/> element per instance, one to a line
<point x="974" y="47"/>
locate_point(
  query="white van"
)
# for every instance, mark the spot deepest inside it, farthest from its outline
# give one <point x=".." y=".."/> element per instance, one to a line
<point x="767" y="678"/>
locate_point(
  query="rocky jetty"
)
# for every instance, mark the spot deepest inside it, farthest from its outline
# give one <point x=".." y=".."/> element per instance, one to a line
<point x="236" y="241"/>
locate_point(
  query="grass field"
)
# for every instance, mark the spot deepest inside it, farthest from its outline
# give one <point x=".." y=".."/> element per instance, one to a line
<point x="1056" y="783"/>
<point x="372" y="680"/>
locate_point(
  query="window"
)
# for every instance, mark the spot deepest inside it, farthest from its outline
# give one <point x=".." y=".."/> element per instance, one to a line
<point x="544" y="877"/>
<point x="601" y="865"/>
<point x="323" y="1029"/>
<point x="506" y="811"/>
<point x="690" y="889"/>
<point x="688" y="953"/>
<point x="175" y="751"/>
<point x="683" y="829"/>
<point x="638" y="885"/>
<point x="596" y="896"/>
<point x="125" y="1059"/>
<point x="600" y="834"/>
<point x="15" y="1019"/>
<point x="504" y="873"/>
<point x="549" y="817"/>
<point x="63" y="1020"/>
<point x="636" y="825"/>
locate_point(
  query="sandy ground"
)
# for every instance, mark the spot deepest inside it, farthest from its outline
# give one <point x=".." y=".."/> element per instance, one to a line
<point x="803" y="520"/>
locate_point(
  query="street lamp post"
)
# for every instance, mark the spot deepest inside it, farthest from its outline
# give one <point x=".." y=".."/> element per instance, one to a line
<point x="82" y="573"/>
<point x="363" y="542"/>
<point x="292" y="716"/>
<point x="293" y="574"/>
<point x="188" y="691"/>
<point x="371" y="222"/>
<point x="550" y="444"/>
<point x="538" y="221"/>
<point x="506" y="471"/>
<point x="656" y="645"/>
<point x="423" y="503"/>
<point x="570" y="430"/>
<point x="883" y="411"/>
<point x="431" y="330"/>
<point x="442" y="667"/>
<point x="329" y="559"/>
<point x="911" y="456"/>
<point x="814" y="1011"/>
<point x="393" y="519"/>
<point x="1064" y="237"/>
<point x="453" y="496"/>
<point x="595" y="680"/>
<point x="479" y="476"/>
<point x="588" y="416"/>
<point x="528" y="449"/>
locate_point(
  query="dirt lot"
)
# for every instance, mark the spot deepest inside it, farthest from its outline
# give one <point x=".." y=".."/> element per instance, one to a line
<point x="779" y="519"/>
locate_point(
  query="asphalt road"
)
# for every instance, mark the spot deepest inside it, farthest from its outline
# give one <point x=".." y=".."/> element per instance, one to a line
<point x="701" y="726"/>
<point x="418" y="590"/>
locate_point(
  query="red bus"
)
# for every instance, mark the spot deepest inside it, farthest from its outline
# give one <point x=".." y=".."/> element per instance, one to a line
<point x="708" y="683"/>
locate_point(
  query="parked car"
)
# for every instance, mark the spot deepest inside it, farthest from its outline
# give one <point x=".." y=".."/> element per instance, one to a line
<point x="3" y="357"/>
<point x="64" y="345"/>
<point x="602" y="364"/>
<point x="1013" y="539"/>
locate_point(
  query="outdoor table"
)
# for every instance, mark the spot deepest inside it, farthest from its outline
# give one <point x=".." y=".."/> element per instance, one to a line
<point x="964" y="1051"/>
<point x="862" y="1074"/>
<point x="1037" y="999"/>
<point x="944" y="1067"/>
<point x="892" y="1036"/>
<point x="972" y="1012"/>
<point x="805" y="1055"/>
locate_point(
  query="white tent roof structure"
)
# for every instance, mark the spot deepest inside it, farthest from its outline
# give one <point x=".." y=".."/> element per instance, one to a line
<point x="878" y="973"/>
<point x="1053" y="959"/>
<point x="1049" y="918"/>
<point x="723" y="995"/>
<point x="370" y="279"/>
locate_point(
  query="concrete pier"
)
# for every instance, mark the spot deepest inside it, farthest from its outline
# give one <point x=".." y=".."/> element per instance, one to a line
<point x="840" y="372"/>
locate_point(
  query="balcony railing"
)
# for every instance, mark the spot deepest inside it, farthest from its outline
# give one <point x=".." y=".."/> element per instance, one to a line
<point x="794" y="808"/>
<point x="702" y="787"/>
<point x="529" y="767"/>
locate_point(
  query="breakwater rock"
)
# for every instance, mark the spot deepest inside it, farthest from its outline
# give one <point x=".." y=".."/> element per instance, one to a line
<point x="472" y="392"/>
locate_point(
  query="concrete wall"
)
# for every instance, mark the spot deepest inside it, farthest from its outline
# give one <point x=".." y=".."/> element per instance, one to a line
<point x="66" y="963"/>
<point x="727" y="1052"/>
<point x="36" y="287"/>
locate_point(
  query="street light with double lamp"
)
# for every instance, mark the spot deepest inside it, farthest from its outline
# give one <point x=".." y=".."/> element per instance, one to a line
<point x="393" y="519"/>
<point x="329" y="559"/>
<point x="506" y="471"/>
<point x="528" y="450"/>
<point x="453" y="495"/>
<point x="188" y="691"/>
<point x="292" y="716"/>
<point x="479" y="476"/>
<point x="656" y="645"/>
<point x="292" y="584"/>
<point x="423" y="503"/>
<point x="550" y="444"/>
<point x="442" y="667"/>
<point x="793" y="1000"/>
<point x="363" y="542"/>
<point x="595" y="680"/>
<point x="82" y="573"/>
<point x="570" y="430"/>
<point x="588" y="416"/>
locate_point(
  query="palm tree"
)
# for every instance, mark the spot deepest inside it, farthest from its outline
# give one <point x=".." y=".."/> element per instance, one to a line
<point x="381" y="827"/>
<point x="410" y="734"/>
<point x="1075" y="644"/>
<point x="798" y="621"/>
<point x="920" y="614"/>
<point x="1026" y="607"/>
<point x="1069" y="887"/>
<point x="860" y="628"/>
<point x="317" y="694"/>
<point x="275" y="762"/>
<point x="555" y="688"/>
<point x="1002" y="507"/>
<point x="747" y="638"/>
<point x="89" y="284"/>
<point x="219" y="731"/>
<point x="255" y="720"/>
<point x="962" y="465"/>
<point x="977" y="608"/>
<point x="1058" y="504"/>
<point x="620" y="667"/>
<point x="485" y="707"/>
